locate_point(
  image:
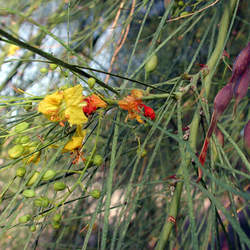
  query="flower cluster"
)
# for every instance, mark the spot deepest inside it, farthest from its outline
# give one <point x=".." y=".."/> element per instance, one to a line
<point x="64" y="105"/>
<point x="135" y="107"/>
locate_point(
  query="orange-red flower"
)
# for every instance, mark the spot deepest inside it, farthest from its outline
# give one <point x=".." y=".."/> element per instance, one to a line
<point x="93" y="102"/>
<point x="133" y="104"/>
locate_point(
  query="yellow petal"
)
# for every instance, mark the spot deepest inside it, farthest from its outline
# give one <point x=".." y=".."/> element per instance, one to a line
<point x="73" y="96"/>
<point x="50" y="103"/>
<point x="75" y="115"/>
<point x="74" y="143"/>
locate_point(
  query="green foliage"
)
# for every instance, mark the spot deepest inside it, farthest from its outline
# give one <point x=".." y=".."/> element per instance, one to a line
<point x="130" y="184"/>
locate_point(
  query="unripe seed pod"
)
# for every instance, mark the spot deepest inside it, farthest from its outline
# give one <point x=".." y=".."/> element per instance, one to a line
<point x="41" y="202"/>
<point x="91" y="82"/>
<point x="48" y="175"/>
<point x="59" y="186"/>
<point x="181" y="3"/>
<point x="24" y="139"/>
<point x="16" y="151"/>
<point x="56" y="225"/>
<point x="21" y="127"/>
<point x="20" y="172"/>
<point x="151" y="64"/>
<point x="44" y="70"/>
<point x="28" y="106"/>
<point x="247" y="137"/>
<point x="32" y="228"/>
<point x="96" y="193"/>
<point x="33" y="178"/>
<point x="184" y="13"/>
<point x="97" y="160"/>
<point x="24" y="218"/>
<point x="53" y="66"/>
<point x="29" y="193"/>
<point x="57" y="218"/>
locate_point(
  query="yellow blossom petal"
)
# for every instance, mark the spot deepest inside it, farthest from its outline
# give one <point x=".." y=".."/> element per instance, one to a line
<point x="50" y="104"/>
<point x="74" y="143"/>
<point x="73" y="96"/>
<point x="75" y="115"/>
<point x="76" y="140"/>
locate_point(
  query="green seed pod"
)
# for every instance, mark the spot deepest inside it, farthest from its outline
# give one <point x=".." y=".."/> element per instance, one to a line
<point x="44" y="70"/>
<point x="29" y="193"/>
<point x="143" y="153"/>
<point x="96" y="193"/>
<point x="181" y="3"/>
<point x="33" y="178"/>
<point x="151" y="64"/>
<point x="59" y="186"/>
<point x="24" y="139"/>
<point x="56" y="225"/>
<point x="184" y="13"/>
<point x="91" y="82"/>
<point x="32" y="228"/>
<point x="48" y="175"/>
<point x="28" y="106"/>
<point x="98" y="160"/>
<point x="41" y="202"/>
<point x="57" y="218"/>
<point x="53" y="66"/>
<point x="16" y="151"/>
<point x="20" y="172"/>
<point x="21" y="127"/>
<point x="24" y="218"/>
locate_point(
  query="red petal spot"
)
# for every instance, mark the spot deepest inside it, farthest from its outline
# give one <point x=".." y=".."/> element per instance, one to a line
<point x="148" y="112"/>
<point x="90" y="108"/>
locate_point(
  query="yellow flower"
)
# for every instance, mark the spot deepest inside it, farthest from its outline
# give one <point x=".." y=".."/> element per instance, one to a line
<point x="75" y="142"/>
<point x="12" y="50"/>
<point x="64" y="105"/>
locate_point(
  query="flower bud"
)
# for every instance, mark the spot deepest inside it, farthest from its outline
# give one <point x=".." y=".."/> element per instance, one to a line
<point x="59" y="186"/>
<point x="247" y="137"/>
<point x="53" y="66"/>
<point x="16" y="151"/>
<point x="141" y="153"/>
<point x="151" y="63"/>
<point x="20" y="172"/>
<point x="29" y="193"/>
<point x="91" y="82"/>
<point x="48" y="175"/>
<point x="21" y="127"/>
<point x="57" y="218"/>
<point x="24" y="139"/>
<point x="96" y="193"/>
<point x="33" y="178"/>
<point x="32" y="228"/>
<point x="56" y="225"/>
<point x="44" y="70"/>
<point x="41" y="202"/>
<point x="97" y="160"/>
<point x="24" y="218"/>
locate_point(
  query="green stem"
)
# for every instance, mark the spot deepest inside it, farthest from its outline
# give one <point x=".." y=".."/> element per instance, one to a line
<point x="220" y="44"/>
<point x="53" y="59"/>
